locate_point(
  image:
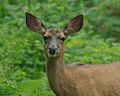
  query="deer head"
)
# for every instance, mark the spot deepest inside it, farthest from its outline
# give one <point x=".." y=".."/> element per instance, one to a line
<point x="54" y="39"/>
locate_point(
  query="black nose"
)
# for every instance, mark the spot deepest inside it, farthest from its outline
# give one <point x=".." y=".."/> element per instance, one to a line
<point x="52" y="50"/>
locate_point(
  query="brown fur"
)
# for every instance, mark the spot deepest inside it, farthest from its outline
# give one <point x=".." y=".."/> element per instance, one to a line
<point x="81" y="79"/>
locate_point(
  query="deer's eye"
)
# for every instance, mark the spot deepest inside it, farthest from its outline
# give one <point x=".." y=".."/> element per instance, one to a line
<point x="62" y="38"/>
<point x="46" y="38"/>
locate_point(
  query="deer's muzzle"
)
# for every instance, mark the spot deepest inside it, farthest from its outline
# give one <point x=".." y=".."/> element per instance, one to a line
<point x="52" y="51"/>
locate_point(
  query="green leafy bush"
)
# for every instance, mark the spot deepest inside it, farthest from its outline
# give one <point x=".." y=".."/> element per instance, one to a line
<point x="34" y="88"/>
<point x="6" y="87"/>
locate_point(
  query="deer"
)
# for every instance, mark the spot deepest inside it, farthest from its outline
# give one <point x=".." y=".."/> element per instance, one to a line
<point x="76" y="79"/>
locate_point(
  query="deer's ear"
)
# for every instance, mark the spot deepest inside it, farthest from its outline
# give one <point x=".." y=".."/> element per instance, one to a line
<point x="34" y="24"/>
<point x="74" y="25"/>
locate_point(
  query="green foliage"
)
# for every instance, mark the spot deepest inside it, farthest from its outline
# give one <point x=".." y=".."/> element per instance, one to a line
<point x="91" y="50"/>
<point x="34" y="88"/>
<point x="104" y="17"/>
<point x="6" y="87"/>
<point x="22" y="59"/>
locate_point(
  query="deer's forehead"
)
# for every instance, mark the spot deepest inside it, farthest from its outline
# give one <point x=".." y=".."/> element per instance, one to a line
<point x="54" y="32"/>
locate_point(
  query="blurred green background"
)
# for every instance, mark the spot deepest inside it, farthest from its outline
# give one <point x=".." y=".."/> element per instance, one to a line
<point x="22" y="59"/>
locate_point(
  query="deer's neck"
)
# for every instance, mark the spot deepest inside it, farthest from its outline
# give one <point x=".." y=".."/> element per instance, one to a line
<point x="55" y="71"/>
<point x="55" y="66"/>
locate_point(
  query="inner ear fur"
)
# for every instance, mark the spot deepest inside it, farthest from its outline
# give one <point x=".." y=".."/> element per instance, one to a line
<point x="34" y="24"/>
<point x="74" y="25"/>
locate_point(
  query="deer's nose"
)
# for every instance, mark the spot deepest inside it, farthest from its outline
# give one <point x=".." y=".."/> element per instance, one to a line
<point x="52" y="50"/>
